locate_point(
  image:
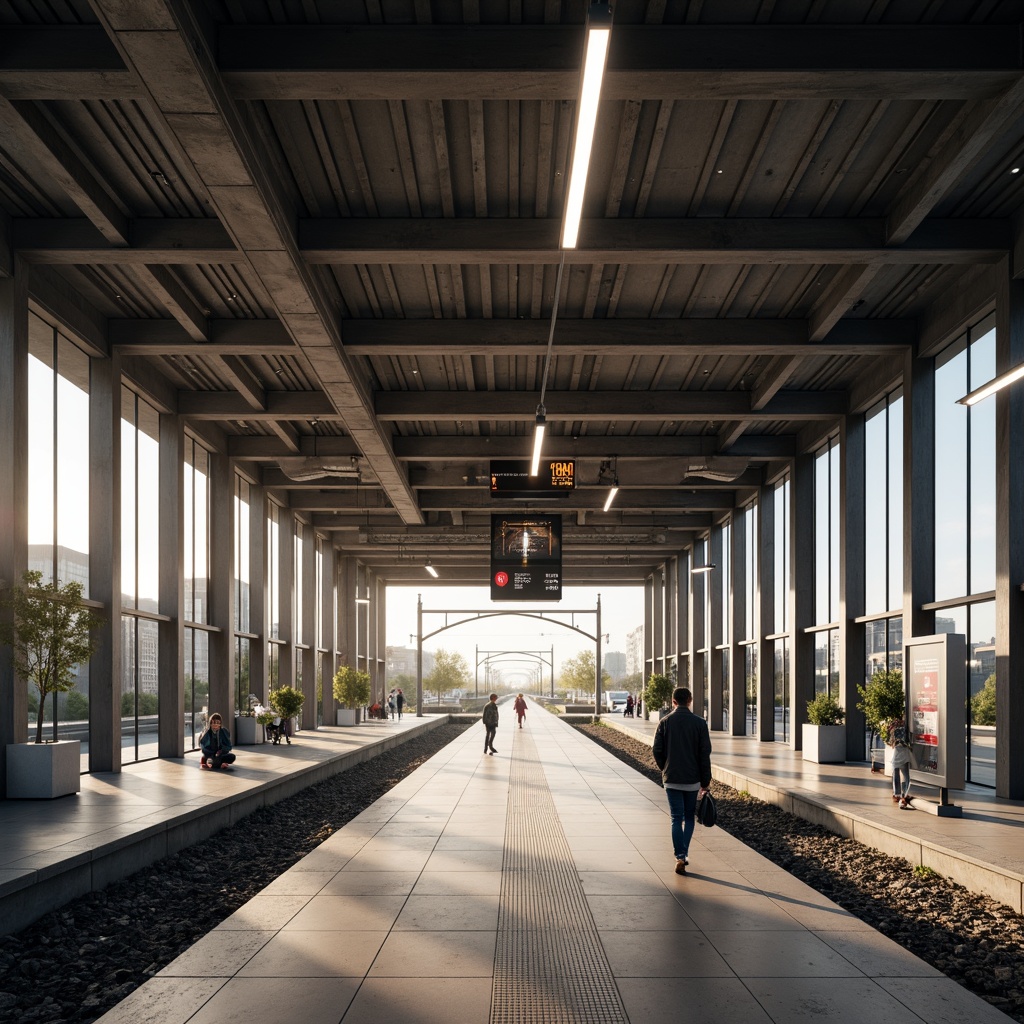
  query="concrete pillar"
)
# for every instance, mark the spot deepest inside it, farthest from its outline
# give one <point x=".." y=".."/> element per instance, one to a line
<point x="716" y="680"/>
<point x="738" y="627"/>
<point x="699" y="584"/>
<point x="221" y="588"/>
<point x="1009" y="542"/>
<point x="171" y="631"/>
<point x="658" y="621"/>
<point x="851" y="578"/>
<point x="649" y="651"/>
<point x="381" y="639"/>
<point x="682" y="627"/>
<point x="801" y="593"/>
<point x="764" y="626"/>
<point x="329" y="612"/>
<point x="918" y="495"/>
<point x="286" y="571"/>
<point x="13" y="490"/>
<point x="308" y="653"/>
<point x="105" y="562"/>
<point x="258" y="598"/>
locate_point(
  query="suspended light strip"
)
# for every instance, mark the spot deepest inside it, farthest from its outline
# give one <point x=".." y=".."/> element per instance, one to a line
<point x="430" y="569"/>
<point x="994" y="385"/>
<point x="599" y="30"/>
<point x="698" y="569"/>
<point x="611" y="495"/>
<point x="538" y="439"/>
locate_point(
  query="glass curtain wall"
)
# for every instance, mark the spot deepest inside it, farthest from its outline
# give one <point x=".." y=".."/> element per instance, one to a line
<point x="883" y="528"/>
<point x="58" y="500"/>
<point x="273" y="593"/>
<point x="751" y="582"/>
<point x="196" y="561"/>
<point x="780" y="638"/>
<point x="965" y="523"/>
<point x="243" y="621"/>
<point x="140" y="576"/>
<point x="826" y="569"/>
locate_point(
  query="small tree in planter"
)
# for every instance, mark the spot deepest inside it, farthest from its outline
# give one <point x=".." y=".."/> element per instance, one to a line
<point x="51" y="634"/>
<point x="351" y="690"/>
<point x="883" y="700"/>
<point x="287" y="702"/>
<point x="658" y="692"/>
<point x="823" y="735"/>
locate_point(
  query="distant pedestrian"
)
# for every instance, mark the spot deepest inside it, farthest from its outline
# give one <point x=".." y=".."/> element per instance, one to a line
<point x="520" y="706"/>
<point x="490" y="720"/>
<point x="391" y="703"/>
<point x="215" y="744"/>
<point x="898" y="737"/>
<point x="682" y="750"/>
<point x="628" y="713"/>
<point x="399" y="702"/>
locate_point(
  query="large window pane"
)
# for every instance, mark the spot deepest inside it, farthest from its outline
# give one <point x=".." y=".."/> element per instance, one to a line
<point x="981" y="689"/>
<point x="273" y="570"/>
<point x="750" y="690"/>
<point x="982" y="478"/>
<point x="782" y="557"/>
<point x="781" y="679"/>
<point x="950" y="475"/>
<point x="875" y="511"/>
<point x="822" y="536"/>
<point x="148" y="497"/>
<point x="895" y="511"/>
<point x="72" y="466"/>
<point x="242" y="555"/>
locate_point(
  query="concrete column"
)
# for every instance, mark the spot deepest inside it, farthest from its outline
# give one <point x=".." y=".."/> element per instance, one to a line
<point x="286" y="627"/>
<point x="347" y="611"/>
<point x="716" y="679"/>
<point x="309" y="629"/>
<point x="918" y="495"/>
<point x="699" y="584"/>
<point x="14" y="490"/>
<point x="851" y="578"/>
<point x="738" y="629"/>
<point x="258" y="592"/>
<point x="171" y="631"/>
<point x="105" y="561"/>
<point x="801" y="594"/>
<point x="1009" y="542"/>
<point x="682" y="626"/>
<point x="671" y="589"/>
<point x="764" y="626"/>
<point x="221" y="592"/>
<point x="381" y="641"/>
<point x="658" y="621"/>
<point x="329" y="610"/>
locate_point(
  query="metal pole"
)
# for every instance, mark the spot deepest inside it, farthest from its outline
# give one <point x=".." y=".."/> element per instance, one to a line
<point x="597" y="662"/>
<point x="476" y="673"/>
<point x="552" y="663"/>
<point x="419" y="655"/>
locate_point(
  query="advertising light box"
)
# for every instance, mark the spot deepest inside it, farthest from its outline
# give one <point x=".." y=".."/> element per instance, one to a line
<point x="934" y="667"/>
<point x="526" y="557"/>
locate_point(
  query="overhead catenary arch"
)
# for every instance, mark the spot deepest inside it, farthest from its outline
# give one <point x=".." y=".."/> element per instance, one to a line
<point x="475" y="615"/>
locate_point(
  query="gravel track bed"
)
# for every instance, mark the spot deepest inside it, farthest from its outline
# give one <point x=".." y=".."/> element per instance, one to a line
<point x="972" y="939"/>
<point x="75" y="963"/>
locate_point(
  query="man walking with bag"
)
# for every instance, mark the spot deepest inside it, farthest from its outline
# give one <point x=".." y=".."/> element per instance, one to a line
<point x="682" y="750"/>
<point x="490" y="717"/>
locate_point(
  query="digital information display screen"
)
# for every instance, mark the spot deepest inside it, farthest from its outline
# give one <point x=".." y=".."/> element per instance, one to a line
<point x="934" y="667"/>
<point x="510" y="478"/>
<point x="526" y="557"/>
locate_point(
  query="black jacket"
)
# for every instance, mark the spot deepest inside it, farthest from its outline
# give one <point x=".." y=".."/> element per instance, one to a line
<point x="682" y="748"/>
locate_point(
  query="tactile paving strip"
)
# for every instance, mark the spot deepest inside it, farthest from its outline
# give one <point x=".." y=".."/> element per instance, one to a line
<point x="549" y="965"/>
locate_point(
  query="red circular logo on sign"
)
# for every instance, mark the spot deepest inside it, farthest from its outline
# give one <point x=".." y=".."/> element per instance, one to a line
<point x="501" y="578"/>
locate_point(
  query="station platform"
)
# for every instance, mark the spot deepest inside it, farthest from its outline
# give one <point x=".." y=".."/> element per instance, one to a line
<point x="537" y="885"/>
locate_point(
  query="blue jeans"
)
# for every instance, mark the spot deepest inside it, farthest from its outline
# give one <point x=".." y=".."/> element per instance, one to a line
<point x="682" y="803"/>
<point x="901" y="779"/>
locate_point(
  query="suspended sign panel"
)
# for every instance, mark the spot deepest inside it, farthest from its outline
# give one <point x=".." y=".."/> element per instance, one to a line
<point x="510" y="478"/>
<point x="526" y="557"/>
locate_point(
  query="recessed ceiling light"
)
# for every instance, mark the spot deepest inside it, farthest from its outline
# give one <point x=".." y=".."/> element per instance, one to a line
<point x="1015" y="170"/>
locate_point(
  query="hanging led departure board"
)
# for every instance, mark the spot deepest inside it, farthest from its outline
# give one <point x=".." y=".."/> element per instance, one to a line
<point x="510" y="478"/>
<point x="526" y="557"/>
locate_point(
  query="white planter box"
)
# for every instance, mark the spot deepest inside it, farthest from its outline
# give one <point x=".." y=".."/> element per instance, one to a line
<point x="883" y="756"/>
<point x="824" y="744"/>
<point x="42" y="771"/>
<point x="248" y="732"/>
<point x="346" y="716"/>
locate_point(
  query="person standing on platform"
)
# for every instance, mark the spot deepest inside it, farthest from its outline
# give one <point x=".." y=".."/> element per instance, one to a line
<point x="520" y="706"/>
<point x="898" y="738"/>
<point x="391" y="703"/>
<point x="215" y="744"/>
<point x="682" y="750"/>
<point x="628" y="713"/>
<point x="490" y="720"/>
<point x="399" y="702"/>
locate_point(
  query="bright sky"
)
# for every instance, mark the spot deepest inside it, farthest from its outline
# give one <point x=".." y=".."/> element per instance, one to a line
<point x="622" y="610"/>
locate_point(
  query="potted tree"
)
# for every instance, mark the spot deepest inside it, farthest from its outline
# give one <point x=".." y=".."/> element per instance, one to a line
<point x="50" y="633"/>
<point x="883" y="700"/>
<point x="823" y="735"/>
<point x="287" y="702"/>
<point x="658" y="694"/>
<point x="352" y="691"/>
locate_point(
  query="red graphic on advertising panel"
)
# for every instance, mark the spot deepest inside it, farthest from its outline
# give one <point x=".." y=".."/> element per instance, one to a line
<point x="501" y="579"/>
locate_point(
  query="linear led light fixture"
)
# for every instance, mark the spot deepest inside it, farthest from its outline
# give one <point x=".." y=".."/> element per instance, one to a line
<point x="430" y="569"/>
<point x="697" y="570"/>
<point x="611" y="494"/>
<point x="595" y="54"/>
<point x="538" y="439"/>
<point x="994" y="385"/>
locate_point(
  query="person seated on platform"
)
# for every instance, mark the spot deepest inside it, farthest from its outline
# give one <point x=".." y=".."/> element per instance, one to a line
<point x="215" y="744"/>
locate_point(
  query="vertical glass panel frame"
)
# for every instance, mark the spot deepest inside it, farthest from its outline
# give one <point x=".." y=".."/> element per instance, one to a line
<point x="895" y="496"/>
<point x="875" y="510"/>
<point x="148" y="502"/>
<point x="781" y="497"/>
<point x="951" y="524"/>
<point x="72" y="464"/>
<point x="822" y="534"/>
<point x="42" y="454"/>
<point x="781" y="685"/>
<point x="981" y="482"/>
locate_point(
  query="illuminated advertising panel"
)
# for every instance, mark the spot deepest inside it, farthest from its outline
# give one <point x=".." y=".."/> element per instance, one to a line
<point x="526" y="557"/>
<point x="935" y="668"/>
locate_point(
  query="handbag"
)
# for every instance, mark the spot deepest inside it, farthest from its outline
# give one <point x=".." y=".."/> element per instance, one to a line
<point x="707" y="811"/>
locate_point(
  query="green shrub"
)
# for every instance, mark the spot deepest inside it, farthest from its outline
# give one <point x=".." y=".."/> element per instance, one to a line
<point x="825" y="710"/>
<point x="883" y="700"/>
<point x="351" y="687"/>
<point x="658" y="692"/>
<point x="287" y="701"/>
<point x="983" y="703"/>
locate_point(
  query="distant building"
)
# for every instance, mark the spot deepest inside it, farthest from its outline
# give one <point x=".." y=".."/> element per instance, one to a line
<point x="635" y="652"/>
<point x="614" y="663"/>
<point x="402" y="661"/>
